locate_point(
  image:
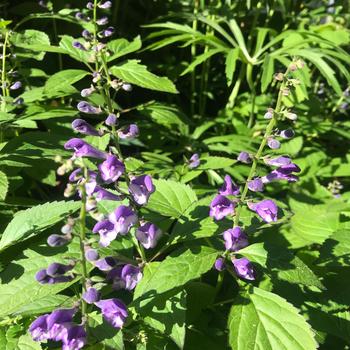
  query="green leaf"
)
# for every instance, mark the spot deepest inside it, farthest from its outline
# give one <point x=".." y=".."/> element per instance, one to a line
<point x="171" y="198"/>
<point x="230" y="64"/>
<point x="66" y="45"/>
<point x="212" y="162"/>
<point x="263" y="320"/>
<point x="176" y="270"/>
<point x="4" y="185"/>
<point x="267" y="72"/>
<point x="135" y="73"/>
<point x="29" y="222"/>
<point x="122" y="47"/>
<point x="25" y="342"/>
<point x="61" y="81"/>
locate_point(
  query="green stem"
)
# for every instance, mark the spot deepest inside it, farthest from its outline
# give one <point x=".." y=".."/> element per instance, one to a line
<point x="258" y="154"/>
<point x="4" y="87"/>
<point x="193" y="56"/>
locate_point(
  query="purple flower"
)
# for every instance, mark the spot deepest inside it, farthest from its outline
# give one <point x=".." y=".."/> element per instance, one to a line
<point x="105" y="5"/>
<point x="111" y="169"/>
<point x="57" y="269"/>
<point x="244" y="157"/>
<point x="287" y="134"/>
<point x="43" y="3"/>
<point x="229" y="188"/>
<point x="83" y="149"/>
<point x="111" y="120"/>
<point x="123" y="219"/>
<point x="129" y="132"/>
<point x="91" y="295"/>
<point x="273" y="143"/>
<point x="87" y="92"/>
<point x="107" y="232"/>
<point x="221" y="207"/>
<point x="87" y="35"/>
<point x="219" y="264"/>
<point x="127" y="87"/>
<point x="75" y="338"/>
<point x="279" y="161"/>
<point x="106" y="33"/>
<point x="194" y="161"/>
<point x="90" y="5"/>
<point x="102" y="194"/>
<point x="141" y="188"/>
<point x="269" y="113"/>
<point x="57" y="240"/>
<point x="125" y="277"/>
<point x="244" y="268"/>
<point x="86" y="107"/>
<point x="38" y="328"/>
<point x="79" y="16"/>
<point x="80" y="125"/>
<point x="75" y="175"/>
<point x="235" y="239"/>
<point x="102" y="21"/>
<point x="91" y="254"/>
<point x="256" y="185"/>
<point x="106" y="264"/>
<point x="15" y="86"/>
<point x="284" y="172"/>
<point x="114" y="311"/>
<point x="148" y="235"/>
<point x="266" y="209"/>
<point x="78" y="45"/>
<point x="57" y="323"/>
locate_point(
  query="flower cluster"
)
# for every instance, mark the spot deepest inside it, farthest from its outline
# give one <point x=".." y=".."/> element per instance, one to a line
<point x="94" y="175"/>
<point x="230" y="199"/>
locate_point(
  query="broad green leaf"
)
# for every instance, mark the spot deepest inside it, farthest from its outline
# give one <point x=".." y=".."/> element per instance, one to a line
<point x="135" y="73"/>
<point x="4" y="185"/>
<point x="19" y="288"/>
<point x="263" y="320"/>
<point x="213" y="162"/>
<point x="122" y="47"/>
<point x="66" y="44"/>
<point x="171" y="198"/>
<point x="27" y="223"/>
<point x="61" y="81"/>
<point x="51" y="113"/>
<point x="176" y="270"/>
<point x="25" y="342"/>
<point x="230" y="64"/>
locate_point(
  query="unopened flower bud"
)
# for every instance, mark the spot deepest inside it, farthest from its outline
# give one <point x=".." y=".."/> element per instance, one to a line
<point x="292" y="116"/>
<point x="87" y="92"/>
<point x="91" y="254"/>
<point x="127" y="87"/>
<point x="105" y="5"/>
<point x="78" y="45"/>
<point x="220" y="264"/>
<point x="96" y="77"/>
<point x="102" y="21"/>
<point x="244" y="157"/>
<point x="273" y="143"/>
<point x="279" y="76"/>
<point x="90" y="5"/>
<point x="15" y="86"/>
<point x="111" y="119"/>
<point x="61" y="170"/>
<point x="285" y="92"/>
<point x="66" y="229"/>
<point x="69" y="191"/>
<point x="57" y="269"/>
<point x="92" y="295"/>
<point x="57" y="240"/>
<point x="269" y="114"/>
<point x="287" y="134"/>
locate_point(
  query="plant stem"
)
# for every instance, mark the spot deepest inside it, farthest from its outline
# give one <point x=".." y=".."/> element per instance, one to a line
<point x="4" y="87"/>
<point x="193" y="55"/>
<point x="258" y="154"/>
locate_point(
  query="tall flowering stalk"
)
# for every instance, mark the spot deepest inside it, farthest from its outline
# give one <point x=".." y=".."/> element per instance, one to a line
<point x="103" y="177"/>
<point x="229" y="203"/>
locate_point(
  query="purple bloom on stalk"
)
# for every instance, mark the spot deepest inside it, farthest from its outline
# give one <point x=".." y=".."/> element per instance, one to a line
<point x="256" y="185"/>
<point x="279" y="161"/>
<point x="283" y="173"/>
<point x="141" y="188"/>
<point x="91" y="254"/>
<point x="106" y="264"/>
<point x="102" y="21"/>
<point x="107" y="233"/>
<point x="266" y="209"/>
<point x="219" y="264"/>
<point x="57" y="269"/>
<point x="83" y="149"/>
<point x="90" y="5"/>
<point x="148" y="235"/>
<point x="91" y="295"/>
<point x="123" y="219"/>
<point x="194" y="161"/>
<point x="102" y="194"/>
<point x="273" y="143"/>
<point x="58" y="321"/>
<point x="43" y="278"/>
<point x="127" y="87"/>
<point x="125" y="277"/>
<point x="221" y="207"/>
<point x="129" y="132"/>
<point x="105" y="5"/>
<point x="38" y="328"/>
<point x="111" y="169"/>
<point x="75" y="338"/>
<point x="244" y="157"/>
<point x="107" y="32"/>
<point x="86" y="107"/>
<point x="244" y="268"/>
<point x="75" y="175"/>
<point x="15" y="86"/>
<point x="287" y="134"/>
<point x="229" y="188"/>
<point x="235" y="239"/>
<point x="78" y="45"/>
<point x="80" y="125"/>
<point x="87" y="92"/>
<point x="57" y="240"/>
<point x="114" y="311"/>
<point x="86" y="34"/>
<point x="111" y="119"/>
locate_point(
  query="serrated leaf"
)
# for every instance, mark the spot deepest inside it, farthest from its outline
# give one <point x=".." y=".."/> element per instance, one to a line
<point x="263" y="320"/>
<point x="135" y="73"/>
<point x="4" y="185"/>
<point x="176" y="270"/>
<point x="29" y="222"/>
<point x="121" y="47"/>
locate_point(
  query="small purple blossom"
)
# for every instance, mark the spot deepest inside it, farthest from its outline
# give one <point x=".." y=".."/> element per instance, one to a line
<point x="244" y="269"/>
<point x="80" y="125"/>
<point x="266" y="209"/>
<point x="90" y="5"/>
<point x="244" y="157"/>
<point x="75" y="338"/>
<point x="107" y="233"/>
<point x="15" y="86"/>
<point x="194" y="161"/>
<point x="57" y="269"/>
<point x="125" y="277"/>
<point x="229" y="188"/>
<point x="75" y="175"/>
<point x="106" y="264"/>
<point x="273" y="143"/>
<point x="43" y="3"/>
<point x="284" y="172"/>
<point x="129" y="132"/>
<point x="78" y="45"/>
<point x="148" y="235"/>
<point x="102" y="194"/>
<point x="91" y="254"/>
<point x="292" y="116"/>
<point x="106" y="32"/>
<point x="102" y="21"/>
<point x="114" y="311"/>
<point x="105" y="5"/>
<point x="38" y="328"/>
<point x="86" y="107"/>
<point x="219" y="264"/>
<point x="235" y="239"/>
<point x="256" y="185"/>
<point x="91" y="295"/>
<point x="57" y="240"/>
<point x="279" y="161"/>
<point x="83" y="149"/>
<point x="127" y="87"/>
<point x="141" y="188"/>
<point x="43" y="278"/>
<point x="221" y="207"/>
<point x="57" y="323"/>
<point x="87" y="92"/>
<point x="111" y="120"/>
<point x="123" y="219"/>
<point x="111" y="169"/>
<point x="287" y="134"/>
